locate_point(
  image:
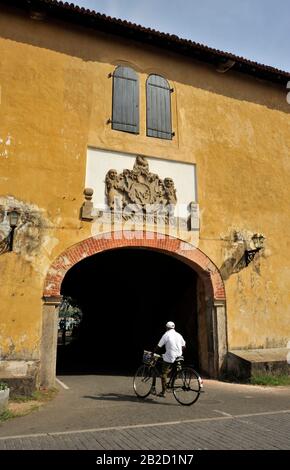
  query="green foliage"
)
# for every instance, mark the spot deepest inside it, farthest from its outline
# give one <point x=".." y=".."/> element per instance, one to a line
<point x="44" y="395"/>
<point x="3" y="385"/>
<point x="70" y="308"/>
<point x="7" y="414"/>
<point x="39" y="395"/>
<point x="25" y="405"/>
<point x="271" y="380"/>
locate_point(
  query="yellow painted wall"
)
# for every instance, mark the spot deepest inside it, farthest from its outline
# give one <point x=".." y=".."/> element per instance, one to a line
<point x="56" y="100"/>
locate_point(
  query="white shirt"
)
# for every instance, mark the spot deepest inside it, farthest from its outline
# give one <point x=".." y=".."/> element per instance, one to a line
<point x="173" y="343"/>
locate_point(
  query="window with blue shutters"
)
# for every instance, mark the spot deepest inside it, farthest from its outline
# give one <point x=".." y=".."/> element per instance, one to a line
<point x="125" y="113"/>
<point x="158" y="101"/>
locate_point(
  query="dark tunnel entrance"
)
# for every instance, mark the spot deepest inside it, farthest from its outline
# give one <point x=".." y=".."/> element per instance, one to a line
<point x="125" y="297"/>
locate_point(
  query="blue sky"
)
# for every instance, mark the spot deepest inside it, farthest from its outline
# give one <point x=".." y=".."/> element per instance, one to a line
<point x="255" y="29"/>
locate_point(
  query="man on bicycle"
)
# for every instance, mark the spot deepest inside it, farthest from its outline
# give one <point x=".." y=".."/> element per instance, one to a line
<point x="174" y="346"/>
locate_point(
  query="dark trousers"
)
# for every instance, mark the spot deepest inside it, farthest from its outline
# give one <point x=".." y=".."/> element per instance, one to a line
<point x="165" y="369"/>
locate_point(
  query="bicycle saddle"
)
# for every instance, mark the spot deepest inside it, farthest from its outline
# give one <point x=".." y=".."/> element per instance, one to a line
<point x="179" y="358"/>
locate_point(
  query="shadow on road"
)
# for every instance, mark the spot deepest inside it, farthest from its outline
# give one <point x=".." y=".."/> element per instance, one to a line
<point x="122" y="397"/>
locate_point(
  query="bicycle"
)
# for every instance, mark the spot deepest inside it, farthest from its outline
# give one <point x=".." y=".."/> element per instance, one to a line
<point x="185" y="383"/>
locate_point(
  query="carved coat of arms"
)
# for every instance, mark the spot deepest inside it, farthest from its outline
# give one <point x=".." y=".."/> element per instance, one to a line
<point x="139" y="186"/>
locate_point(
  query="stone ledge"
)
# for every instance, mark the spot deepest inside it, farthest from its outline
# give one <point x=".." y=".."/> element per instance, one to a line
<point x="243" y="364"/>
<point x="21" y="376"/>
<point x="21" y="386"/>
<point x="262" y="355"/>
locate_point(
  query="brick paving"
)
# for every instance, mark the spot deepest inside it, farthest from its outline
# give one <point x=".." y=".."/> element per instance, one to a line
<point x="265" y="431"/>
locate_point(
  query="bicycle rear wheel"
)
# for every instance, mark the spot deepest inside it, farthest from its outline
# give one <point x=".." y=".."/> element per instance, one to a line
<point x="186" y="386"/>
<point x="143" y="381"/>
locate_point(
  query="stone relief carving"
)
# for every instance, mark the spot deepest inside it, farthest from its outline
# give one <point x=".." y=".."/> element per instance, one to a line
<point x="139" y="186"/>
<point x="141" y="196"/>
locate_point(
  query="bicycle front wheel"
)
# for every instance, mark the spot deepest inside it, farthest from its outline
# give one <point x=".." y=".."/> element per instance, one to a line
<point x="143" y="381"/>
<point x="186" y="386"/>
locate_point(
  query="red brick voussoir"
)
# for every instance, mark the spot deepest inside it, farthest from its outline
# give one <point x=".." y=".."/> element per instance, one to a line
<point x="121" y="239"/>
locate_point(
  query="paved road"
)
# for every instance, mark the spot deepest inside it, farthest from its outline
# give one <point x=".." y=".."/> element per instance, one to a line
<point x="101" y="413"/>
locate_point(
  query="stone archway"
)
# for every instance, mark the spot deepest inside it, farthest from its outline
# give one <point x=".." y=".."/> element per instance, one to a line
<point x="213" y="289"/>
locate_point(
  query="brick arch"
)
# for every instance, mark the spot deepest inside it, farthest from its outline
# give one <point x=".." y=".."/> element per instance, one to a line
<point x="213" y="307"/>
<point x="214" y="286"/>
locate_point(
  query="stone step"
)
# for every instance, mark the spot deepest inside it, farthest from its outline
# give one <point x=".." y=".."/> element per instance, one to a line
<point x="21" y="376"/>
<point x="243" y="364"/>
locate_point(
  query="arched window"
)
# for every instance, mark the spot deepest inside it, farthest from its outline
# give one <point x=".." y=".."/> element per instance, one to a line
<point x="125" y="113"/>
<point x="158" y="107"/>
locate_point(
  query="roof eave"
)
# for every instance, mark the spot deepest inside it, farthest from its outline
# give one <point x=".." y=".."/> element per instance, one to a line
<point x="81" y="16"/>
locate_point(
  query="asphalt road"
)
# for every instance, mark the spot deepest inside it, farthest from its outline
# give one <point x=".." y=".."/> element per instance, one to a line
<point x="102" y="412"/>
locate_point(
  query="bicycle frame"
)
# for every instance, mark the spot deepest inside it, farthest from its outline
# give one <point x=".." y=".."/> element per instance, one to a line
<point x="157" y="373"/>
<point x="185" y="383"/>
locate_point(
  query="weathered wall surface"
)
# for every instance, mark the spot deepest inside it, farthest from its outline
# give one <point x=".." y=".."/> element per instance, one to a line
<point x="56" y="101"/>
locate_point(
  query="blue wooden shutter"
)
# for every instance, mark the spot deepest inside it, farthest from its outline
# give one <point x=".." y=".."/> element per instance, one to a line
<point x="125" y="114"/>
<point x="158" y="107"/>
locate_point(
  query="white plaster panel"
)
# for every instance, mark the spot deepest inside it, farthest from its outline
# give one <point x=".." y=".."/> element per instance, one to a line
<point x="99" y="162"/>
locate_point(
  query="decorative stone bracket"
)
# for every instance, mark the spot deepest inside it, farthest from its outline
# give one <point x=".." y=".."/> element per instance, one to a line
<point x="88" y="207"/>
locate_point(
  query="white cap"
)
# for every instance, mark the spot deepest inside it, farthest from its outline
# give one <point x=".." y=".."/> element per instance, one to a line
<point x="170" y="324"/>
